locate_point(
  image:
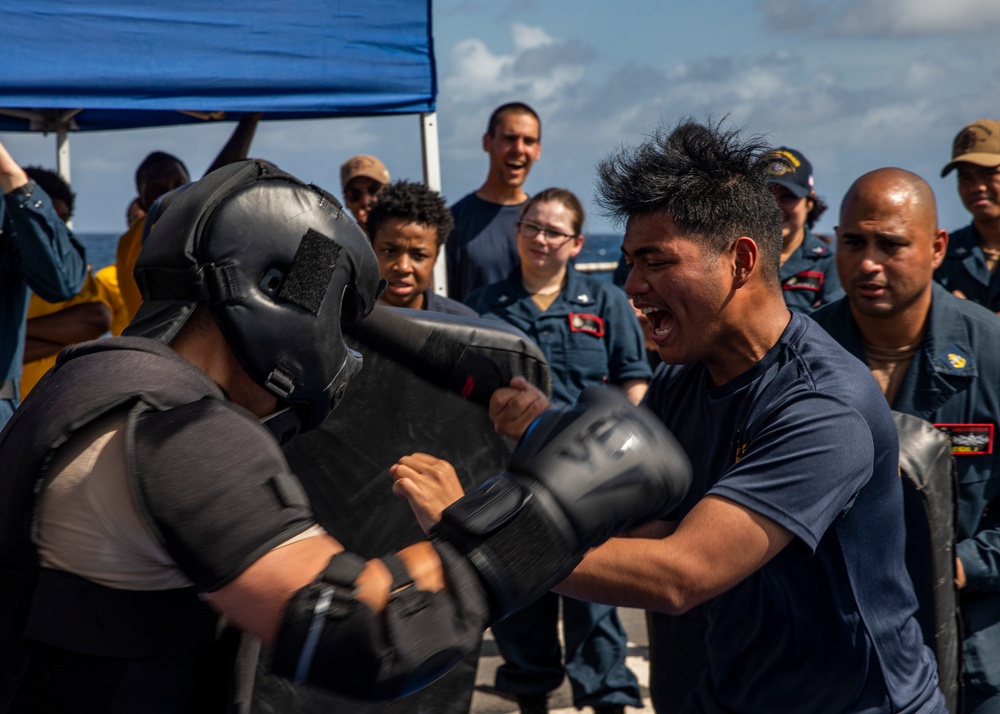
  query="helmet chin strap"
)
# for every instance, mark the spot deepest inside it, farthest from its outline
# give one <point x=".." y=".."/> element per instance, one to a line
<point x="283" y="424"/>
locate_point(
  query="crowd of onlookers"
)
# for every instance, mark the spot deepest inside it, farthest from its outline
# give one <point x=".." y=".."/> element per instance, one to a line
<point x="914" y="302"/>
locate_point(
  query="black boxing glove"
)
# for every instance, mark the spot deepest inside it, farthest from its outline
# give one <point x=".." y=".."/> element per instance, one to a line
<point x="580" y="475"/>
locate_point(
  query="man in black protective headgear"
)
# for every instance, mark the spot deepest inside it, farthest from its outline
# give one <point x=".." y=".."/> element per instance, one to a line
<point x="144" y="492"/>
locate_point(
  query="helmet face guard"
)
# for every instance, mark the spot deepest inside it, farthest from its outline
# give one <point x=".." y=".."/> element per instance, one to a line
<point x="281" y="267"/>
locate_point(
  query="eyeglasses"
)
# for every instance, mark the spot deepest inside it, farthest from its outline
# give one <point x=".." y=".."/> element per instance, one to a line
<point x="551" y="237"/>
<point x="353" y="193"/>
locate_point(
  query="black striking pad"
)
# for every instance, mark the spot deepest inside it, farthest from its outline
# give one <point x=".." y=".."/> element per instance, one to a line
<point x="929" y="480"/>
<point x="344" y="466"/>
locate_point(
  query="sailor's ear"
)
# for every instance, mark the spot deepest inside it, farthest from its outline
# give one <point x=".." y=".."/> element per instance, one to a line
<point x="744" y="257"/>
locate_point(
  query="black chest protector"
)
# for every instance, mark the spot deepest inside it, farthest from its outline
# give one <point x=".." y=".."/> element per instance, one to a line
<point x="209" y="481"/>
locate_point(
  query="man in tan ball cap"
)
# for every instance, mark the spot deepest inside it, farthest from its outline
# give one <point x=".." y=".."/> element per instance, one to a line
<point x="969" y="268"/>
<point x="361" y="178"/>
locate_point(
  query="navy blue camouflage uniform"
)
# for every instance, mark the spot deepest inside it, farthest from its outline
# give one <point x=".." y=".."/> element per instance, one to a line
<point x="964" y="268"/>
<point x="589" y="335"/>
<point x="809" y="276"/>
<point x="954" y="382"/>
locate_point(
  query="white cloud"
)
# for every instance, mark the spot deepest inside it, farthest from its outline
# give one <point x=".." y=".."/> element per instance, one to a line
<point x="475" y="72"/>
<point x="920" y="17"/>
<point x="879" y="18"/>
<point x="924" y="73"/>
<point x="850" y="104"/>
<point x="540" y="69"/>
<point x="529" y="38"/>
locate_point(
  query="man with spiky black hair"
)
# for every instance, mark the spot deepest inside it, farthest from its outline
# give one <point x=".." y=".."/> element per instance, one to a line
<point x="792" y="534"/>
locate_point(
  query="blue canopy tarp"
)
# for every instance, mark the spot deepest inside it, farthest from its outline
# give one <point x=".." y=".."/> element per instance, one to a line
<point x="117" y="64"/>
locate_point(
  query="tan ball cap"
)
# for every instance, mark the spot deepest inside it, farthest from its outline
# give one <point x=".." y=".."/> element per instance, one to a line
<point x="978" y="143"/>
<point x="363" y="165"/>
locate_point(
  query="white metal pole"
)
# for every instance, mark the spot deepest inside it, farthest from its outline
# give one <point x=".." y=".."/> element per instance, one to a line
<point x="62" y="156"/>
<point x="62" y="152"/>
<point x="432" y="177"/>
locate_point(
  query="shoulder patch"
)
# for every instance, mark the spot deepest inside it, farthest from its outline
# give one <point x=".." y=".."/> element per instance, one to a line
<point x="969" y="439"/>
<point x="955" y="360"/>
<point x="820" y="250"/>
<point x="811" y="280"/>
<point x="585" y="322"/>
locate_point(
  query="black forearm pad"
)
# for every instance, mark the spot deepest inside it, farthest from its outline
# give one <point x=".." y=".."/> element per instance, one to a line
<point x="432" y="354"/>
<point x="330" y="640"/>
<point x="515" y="537"/>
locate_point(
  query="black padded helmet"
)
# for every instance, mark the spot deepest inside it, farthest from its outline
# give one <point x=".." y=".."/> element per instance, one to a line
<point x="281" y="267"/>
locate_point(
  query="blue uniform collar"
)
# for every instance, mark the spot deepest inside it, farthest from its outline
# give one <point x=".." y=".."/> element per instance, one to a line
<point x="947" y="345"/>
<point x="811" y="250"/>
<point x="963" y="245"/>
<point x="574" y="291"/>
<point x="963" y="242"/>
<point x="942" y="366"/>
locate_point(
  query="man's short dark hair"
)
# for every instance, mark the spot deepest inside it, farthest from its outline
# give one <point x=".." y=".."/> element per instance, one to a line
<point x="710" y="181"/>
<point x="53" y="184"/>
<point x="411" y="202"/>
<point x="155" y="159"/>
<point x="512" y="108"/>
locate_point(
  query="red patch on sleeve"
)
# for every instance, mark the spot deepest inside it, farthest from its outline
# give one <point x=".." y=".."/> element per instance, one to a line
<point x="585" y="322"/>
<point x="806" y="280"/>
<point x="969" y="439"/>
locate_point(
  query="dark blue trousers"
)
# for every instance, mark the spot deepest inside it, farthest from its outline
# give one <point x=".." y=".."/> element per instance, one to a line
<point x="596" y="646"/>
<point x="978" y="702"/>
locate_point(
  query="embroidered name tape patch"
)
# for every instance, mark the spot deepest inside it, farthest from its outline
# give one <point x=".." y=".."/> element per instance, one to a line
<point x="585" y="322"/>
<point x="806" y="280"/>
<point x="969" y="439"/>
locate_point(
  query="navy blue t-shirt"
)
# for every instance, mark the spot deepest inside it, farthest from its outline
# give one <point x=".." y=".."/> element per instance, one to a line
<point x="806" y="439"/>
<point x="482" y="247"/>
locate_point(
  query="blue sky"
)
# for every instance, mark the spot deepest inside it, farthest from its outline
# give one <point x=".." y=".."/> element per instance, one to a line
<point x="853" y="84"/>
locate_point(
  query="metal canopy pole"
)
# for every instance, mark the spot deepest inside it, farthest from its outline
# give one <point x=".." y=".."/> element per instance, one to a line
<point x="62" y="152"/>
<point x="432" y="177"/>
<point x="61" y="121"/>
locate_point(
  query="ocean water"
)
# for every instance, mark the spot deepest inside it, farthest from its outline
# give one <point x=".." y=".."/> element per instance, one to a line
<point x="100" y="247"/>
<point x="597" y="248"/>
<point x="601" y="247"/>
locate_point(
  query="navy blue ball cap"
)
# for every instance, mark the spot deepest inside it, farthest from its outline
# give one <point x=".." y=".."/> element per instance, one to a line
<point x="790" y="169"/>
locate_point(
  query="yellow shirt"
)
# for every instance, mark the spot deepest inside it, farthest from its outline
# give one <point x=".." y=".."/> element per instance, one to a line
<point x="129" y="246"/>
<point x="102" y="287"/>
<point x="108" y="278"/>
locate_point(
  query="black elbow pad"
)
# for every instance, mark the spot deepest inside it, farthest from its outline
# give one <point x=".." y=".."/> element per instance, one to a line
<point x="330" y="640"/>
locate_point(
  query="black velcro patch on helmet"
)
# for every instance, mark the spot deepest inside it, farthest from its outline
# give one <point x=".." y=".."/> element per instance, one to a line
<point x="312" y="270"/>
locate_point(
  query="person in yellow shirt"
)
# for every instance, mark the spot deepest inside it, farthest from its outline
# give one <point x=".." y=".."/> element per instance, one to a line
<point x="158" y="174"/>
<point x="85" y="316"/>
<point x="52" y="326"/>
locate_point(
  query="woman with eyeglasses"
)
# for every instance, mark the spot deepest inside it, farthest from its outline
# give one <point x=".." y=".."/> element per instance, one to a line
<point x="589" y="335"/>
